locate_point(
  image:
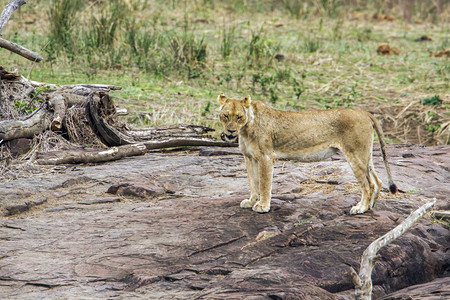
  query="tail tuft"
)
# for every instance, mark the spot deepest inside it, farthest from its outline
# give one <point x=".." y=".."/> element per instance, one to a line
<point x="393" y="188"/>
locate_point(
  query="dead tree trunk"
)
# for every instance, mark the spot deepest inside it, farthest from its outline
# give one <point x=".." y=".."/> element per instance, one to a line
<point x="87" y="118"/>
<point x="96" y="121"/>
<point x="363" y="280"/>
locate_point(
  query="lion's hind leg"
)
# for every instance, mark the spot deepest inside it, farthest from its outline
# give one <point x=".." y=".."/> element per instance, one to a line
<point x="377" y="185"/>
<point x="361" y="170"/>
<point x="364" y="204"/>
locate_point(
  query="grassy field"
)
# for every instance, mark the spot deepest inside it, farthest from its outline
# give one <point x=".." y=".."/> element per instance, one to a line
<point x="173" y="58"/>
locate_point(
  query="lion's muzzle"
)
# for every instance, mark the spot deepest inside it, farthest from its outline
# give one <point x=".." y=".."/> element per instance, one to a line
<point x="229" y="138"/>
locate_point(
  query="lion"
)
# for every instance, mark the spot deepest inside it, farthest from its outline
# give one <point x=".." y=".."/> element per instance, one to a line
<point x="265" y="134"/>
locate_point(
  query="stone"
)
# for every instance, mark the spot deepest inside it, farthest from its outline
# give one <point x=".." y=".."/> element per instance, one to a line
<point x="147" y="190"/>
<point x="101" y="237"/>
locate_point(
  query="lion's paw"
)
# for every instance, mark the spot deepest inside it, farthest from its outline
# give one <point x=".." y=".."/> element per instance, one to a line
<point x="357" y="209"/>
<point x="258" y="207"/>
<point x="247" y="203"/>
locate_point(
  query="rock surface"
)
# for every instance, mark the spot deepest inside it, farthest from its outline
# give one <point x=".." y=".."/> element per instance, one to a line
<point x="169" y="225"/>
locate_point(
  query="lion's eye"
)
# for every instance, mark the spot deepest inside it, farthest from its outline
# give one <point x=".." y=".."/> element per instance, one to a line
<point x="226" y="117"/>
<point x="239" y="118"/>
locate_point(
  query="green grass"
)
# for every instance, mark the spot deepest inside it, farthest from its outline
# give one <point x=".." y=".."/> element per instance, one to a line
<point x="441" y="221"/>
<point x="173" y="58"/>
<point x="301" y="222"/>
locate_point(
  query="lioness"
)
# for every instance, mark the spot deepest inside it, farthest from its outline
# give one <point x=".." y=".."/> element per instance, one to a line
<point x="265" y="134"/>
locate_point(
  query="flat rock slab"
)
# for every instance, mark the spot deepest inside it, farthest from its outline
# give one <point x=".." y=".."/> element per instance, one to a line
<point x="169" y="226"/>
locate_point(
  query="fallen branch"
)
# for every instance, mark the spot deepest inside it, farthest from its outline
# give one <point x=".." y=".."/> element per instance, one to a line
<point x="363" y="280"/>
<point x="187" y="142"/>
<point x="28" y="128"/>
<point x="83" y="156"/>
<point x="8" y="75"/>
<point x="442" y="215"/>
<point x="171" y="131"/>
<point x="22" y="51"/>
<point x="97" y="87"/>
<point x="116" y="153"/>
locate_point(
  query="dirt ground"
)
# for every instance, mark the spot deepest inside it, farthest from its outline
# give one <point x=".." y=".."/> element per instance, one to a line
<point x="168" y="225"/>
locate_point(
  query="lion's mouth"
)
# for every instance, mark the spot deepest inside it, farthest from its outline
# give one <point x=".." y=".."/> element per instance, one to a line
<point x="230" y="138"/>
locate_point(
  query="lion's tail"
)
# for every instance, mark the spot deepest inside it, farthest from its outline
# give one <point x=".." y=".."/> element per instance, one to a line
<point x="376" y="125"/>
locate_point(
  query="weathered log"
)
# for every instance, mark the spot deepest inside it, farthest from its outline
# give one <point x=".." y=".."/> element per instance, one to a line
<point x="59" y="111"/>
<point x="82" y="156"/>
<point x="28" y="128"/>
<point x="109" y="87"/>
<point x="60" y="101"/>
<point x="97" y="87"/>
<point x="8" y="10"/>
<point x="186" y="142"/>
<point x="121" y="111"/>
<point x="115" y="153"/>
<point x="98" y="108"/>
<point x="442" y="215"/>
<point x="71" y="99"/>
<point x="363" y="280"/>
<point x="171" y="131"/>
<point x="169" y="137"/>
<point x="8" y="75"/>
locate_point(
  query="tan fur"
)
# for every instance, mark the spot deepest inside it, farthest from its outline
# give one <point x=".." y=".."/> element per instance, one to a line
<point x="266" y="134"/>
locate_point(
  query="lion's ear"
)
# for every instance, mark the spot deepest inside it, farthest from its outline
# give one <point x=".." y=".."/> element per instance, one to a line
<point x="222" y="99"/>
<point x="246" y="102"/>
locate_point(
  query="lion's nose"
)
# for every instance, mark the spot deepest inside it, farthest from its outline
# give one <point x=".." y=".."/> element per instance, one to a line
<point x="231" y="131"/>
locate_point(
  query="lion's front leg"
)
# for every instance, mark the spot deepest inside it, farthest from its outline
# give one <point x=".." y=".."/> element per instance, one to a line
<point x="253" y="180"/>
<point x="265" y="172"/>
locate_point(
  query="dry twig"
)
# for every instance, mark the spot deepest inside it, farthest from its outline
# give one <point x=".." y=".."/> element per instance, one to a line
<point x="363" y="280"/>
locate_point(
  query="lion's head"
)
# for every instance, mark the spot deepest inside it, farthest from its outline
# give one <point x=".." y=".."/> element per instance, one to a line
<point x="233" y="116"/>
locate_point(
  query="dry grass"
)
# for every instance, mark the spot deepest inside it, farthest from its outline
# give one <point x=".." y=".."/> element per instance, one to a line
<point x="415" y="123"/>
<point x="326" y="58"/>
<point x="78" y="129"/>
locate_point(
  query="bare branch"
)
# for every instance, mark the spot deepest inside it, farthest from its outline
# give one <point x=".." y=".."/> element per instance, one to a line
<point x="22" y="51"/>
<point x="363" y="280"/>
<point x="13" y="47"/>
<point x="8" y="10"/>
<point x="97" y="87"/>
